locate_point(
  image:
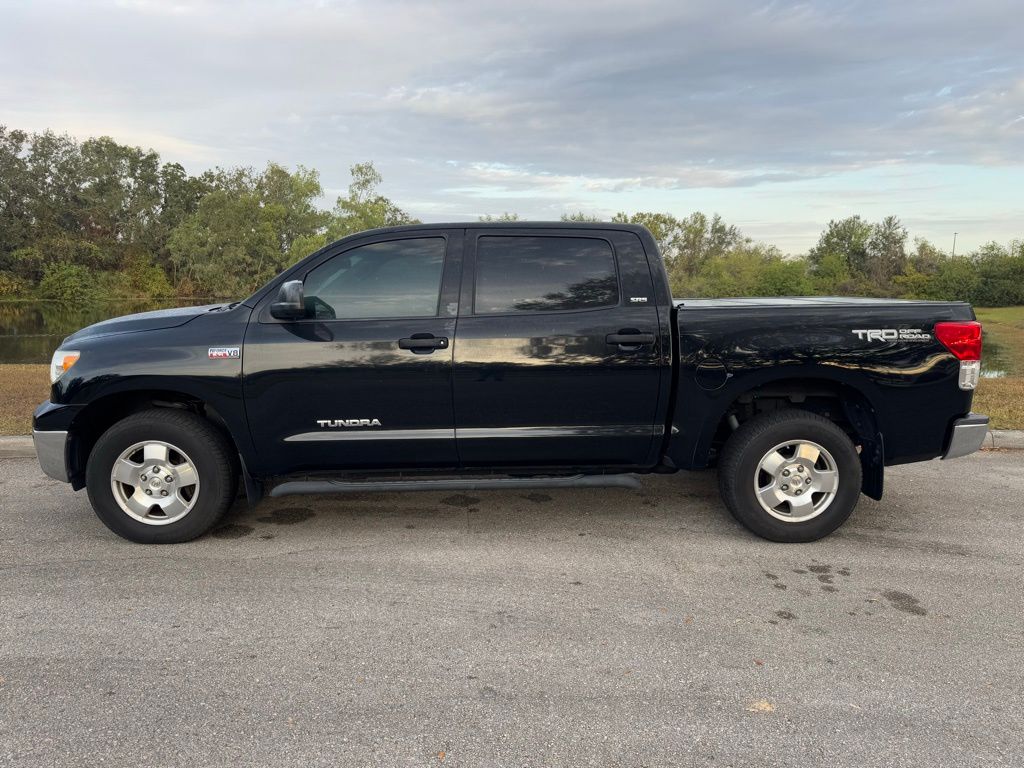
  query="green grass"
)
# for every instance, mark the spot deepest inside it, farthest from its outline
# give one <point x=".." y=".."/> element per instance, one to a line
<point x="1004" y="335"/>
<point x="1003" y="398"/>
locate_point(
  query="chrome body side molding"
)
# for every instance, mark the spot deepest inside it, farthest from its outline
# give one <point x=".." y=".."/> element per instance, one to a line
<point x="481" y="433"/>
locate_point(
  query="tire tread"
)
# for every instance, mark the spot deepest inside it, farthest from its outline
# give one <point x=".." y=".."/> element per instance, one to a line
<point x="731" y="481"/>
<point x="223" y="466"/>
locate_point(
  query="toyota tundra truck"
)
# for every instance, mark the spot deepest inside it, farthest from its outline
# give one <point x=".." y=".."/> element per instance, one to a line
<point x="504" y="355"/>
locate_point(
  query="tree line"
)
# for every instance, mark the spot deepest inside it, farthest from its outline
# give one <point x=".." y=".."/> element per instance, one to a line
<point x="99" y="218"/>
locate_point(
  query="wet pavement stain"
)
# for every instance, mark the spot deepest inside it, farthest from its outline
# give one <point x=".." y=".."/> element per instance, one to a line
<point x="819" y="568"/>
<point x="460" y="500"/>
<point x="829" y="588"/>
<point x="787" y="615"/>
<point x="901" y="601"/>
<point x="231" y="531"/>
<point x="288" y="516"/>
<point x="267" y="536"/>
<point x="536" y="498"/>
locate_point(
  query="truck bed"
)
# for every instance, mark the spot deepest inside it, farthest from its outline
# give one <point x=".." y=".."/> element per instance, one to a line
<point x="800" y="301"/>
<point x="829" y="343"/>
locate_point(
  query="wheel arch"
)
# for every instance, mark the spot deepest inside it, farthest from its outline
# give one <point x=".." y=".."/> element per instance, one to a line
<point x="842" y="399"/>
<point x="102" y="413"/>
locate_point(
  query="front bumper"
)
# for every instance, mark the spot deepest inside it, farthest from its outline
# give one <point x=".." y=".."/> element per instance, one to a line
<point x="51" y="452"/>
<point x="967" y="436"/>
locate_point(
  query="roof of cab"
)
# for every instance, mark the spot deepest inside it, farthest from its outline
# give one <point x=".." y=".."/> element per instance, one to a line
<point x="599" y="225"/>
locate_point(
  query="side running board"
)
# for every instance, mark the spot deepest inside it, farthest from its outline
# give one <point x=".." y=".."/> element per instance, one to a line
<point x="297" y="487"/>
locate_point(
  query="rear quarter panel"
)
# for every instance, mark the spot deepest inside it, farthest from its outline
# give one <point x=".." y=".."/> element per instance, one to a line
<point x="911" y="385"/>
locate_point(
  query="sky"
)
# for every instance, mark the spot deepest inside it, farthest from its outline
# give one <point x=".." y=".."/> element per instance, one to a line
<point x="779" y="116"/>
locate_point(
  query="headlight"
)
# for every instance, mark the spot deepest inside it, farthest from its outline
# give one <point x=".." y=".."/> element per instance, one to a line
<point x="62" y="360"/>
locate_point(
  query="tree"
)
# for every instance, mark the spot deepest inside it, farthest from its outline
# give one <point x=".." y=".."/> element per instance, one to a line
<point x="1000" y="272"/>
<point x="886" y="254"/>
<point x="925" y="258"/>
<point x="506" y="216"/>
<point x="830" y="275"/>
<point x="846" y="239"/>
<point x="15" y="192"/>
<point x="364" y="208"/>
<point x="688" y="244"/>
<point x="245" y="230"/>
<point x="580" y="216"/>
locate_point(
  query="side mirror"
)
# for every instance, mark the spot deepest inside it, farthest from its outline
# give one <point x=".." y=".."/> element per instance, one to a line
<point x="290" y="304"/>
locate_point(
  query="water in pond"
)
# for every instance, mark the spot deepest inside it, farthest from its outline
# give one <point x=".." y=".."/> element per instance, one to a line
<point x="994" y="362"/>
<point x="31" y="330"/>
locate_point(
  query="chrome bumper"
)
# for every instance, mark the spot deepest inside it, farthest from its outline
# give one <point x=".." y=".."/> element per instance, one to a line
<point x="968" y="435"/>
<point x="51" y="451"/>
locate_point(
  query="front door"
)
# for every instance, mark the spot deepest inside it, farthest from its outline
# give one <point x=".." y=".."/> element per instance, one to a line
<point x="559" y="358"/>
<point x="364" y="381"/>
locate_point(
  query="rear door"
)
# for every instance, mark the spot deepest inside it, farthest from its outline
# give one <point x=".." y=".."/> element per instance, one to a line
<point x="558" y="359"/>
<point x="365" y="380"/>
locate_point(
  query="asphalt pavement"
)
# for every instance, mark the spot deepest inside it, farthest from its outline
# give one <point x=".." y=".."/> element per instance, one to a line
<point x="597" y="627"/>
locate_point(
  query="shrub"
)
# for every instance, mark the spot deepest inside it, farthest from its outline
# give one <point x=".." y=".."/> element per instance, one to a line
<point x="11" y="285"/>
<point x="67" y="282"/>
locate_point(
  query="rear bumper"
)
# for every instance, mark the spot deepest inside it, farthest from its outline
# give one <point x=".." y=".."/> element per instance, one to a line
<point x="51" y="452"/>
<point x="967" y="436"/>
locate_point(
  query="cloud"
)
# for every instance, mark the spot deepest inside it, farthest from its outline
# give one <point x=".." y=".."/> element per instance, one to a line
<point x="534" y="102"/>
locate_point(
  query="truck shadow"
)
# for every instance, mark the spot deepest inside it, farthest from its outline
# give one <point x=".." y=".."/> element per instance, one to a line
<point x="687" y="501"/>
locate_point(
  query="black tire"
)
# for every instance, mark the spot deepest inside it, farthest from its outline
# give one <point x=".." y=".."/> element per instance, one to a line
<point x="207" y="447"/>
<point x="753" y="441"/>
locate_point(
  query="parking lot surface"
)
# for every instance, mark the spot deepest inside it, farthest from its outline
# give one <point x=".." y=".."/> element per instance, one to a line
<point x="588" y="627"/>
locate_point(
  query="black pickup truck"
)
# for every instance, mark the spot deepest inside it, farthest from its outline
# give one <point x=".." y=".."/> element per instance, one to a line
<point x="469" y="356"/>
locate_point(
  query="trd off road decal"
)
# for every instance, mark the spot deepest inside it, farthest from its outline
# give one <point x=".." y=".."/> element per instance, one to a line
<point x="892" y="334"/>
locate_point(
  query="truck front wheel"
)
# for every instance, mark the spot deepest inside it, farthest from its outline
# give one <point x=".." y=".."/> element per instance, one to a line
<point x="161" y="476"/>
<point x="790" y="476"/>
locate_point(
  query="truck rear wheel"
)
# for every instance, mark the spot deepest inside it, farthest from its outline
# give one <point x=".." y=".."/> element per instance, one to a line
<point x="790" y="476"/>
<point x="161" y="476"/>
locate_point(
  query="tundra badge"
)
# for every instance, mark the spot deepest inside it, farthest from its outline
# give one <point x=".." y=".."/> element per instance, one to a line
<point x="348" y="422"/>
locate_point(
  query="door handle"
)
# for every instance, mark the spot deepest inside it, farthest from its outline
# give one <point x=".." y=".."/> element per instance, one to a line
<point x="423" y="343"/>
<point x="630" y="339"/>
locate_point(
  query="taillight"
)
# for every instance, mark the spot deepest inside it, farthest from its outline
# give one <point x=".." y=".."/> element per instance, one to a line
<point x="964" y="341"/>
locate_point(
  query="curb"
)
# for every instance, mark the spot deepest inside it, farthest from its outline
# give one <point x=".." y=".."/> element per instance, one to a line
<point x="17" y="448"/>
<point x="1005" y="439"/>
<point x="21" y="447"/>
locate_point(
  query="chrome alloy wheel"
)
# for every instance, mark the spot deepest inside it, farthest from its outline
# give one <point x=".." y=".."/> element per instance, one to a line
<point x="155" y="482"/>
<point x="796" y="481"/>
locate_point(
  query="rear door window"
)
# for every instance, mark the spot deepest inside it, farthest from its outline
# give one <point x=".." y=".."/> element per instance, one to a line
<point x="543" y="274"/>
